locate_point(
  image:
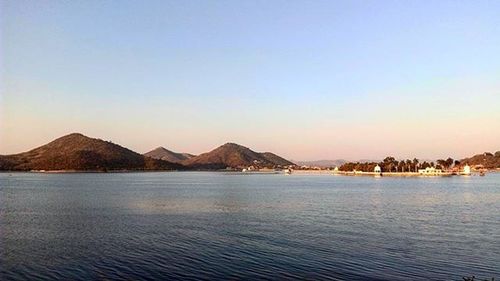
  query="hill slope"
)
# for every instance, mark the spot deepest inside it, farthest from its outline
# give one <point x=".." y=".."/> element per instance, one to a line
<point x="167" y="155"/>
<point x="234" y="156"/>
<point x="487" y="159"/>
<point x="275" y="159"/>
<point x="78" y="152"/>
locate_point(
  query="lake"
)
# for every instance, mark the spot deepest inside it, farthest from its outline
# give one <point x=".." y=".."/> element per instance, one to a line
<point x="203" y="225"/>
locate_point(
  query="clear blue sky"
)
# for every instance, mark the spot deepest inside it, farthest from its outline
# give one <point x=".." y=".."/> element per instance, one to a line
<point x="305" y="79"/>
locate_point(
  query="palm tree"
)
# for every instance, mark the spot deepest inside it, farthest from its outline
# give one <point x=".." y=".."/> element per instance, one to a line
<point x="388" y="163"/>
<point x="408" y="165"/>
<point x="395" y="164"/>
<point x="401" y="166"/>
<point x="449" y="162"/>
<point x="415" y="162"/>
<point x="442" y="163"/>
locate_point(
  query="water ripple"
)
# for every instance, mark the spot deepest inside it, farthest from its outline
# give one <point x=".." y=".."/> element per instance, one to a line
<point x="205" y="226"/>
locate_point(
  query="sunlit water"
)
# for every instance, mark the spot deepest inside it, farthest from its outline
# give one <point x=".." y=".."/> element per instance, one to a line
<point x="190" y="225"/>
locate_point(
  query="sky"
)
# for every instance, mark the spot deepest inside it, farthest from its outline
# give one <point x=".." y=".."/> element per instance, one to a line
<point x="307" y="80"/>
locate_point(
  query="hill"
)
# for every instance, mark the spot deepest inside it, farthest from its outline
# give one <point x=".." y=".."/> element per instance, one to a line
<point x="487" y="159"/>
<point x="235" y="156"/>
<point x="78" y="152"/>
<point x="167" y="155"/>
<point x="275" y="159"/>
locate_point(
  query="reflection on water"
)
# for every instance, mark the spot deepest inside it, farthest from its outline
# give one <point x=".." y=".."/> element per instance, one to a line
<point x="230" y="226"/>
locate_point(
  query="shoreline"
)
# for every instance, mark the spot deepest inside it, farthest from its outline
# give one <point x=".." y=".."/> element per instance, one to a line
<point x="264" y="172"/>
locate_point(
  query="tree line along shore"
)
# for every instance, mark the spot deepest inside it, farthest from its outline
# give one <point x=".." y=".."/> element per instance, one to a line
<point x="413" y="167"/>
<point x="391" y="165"/>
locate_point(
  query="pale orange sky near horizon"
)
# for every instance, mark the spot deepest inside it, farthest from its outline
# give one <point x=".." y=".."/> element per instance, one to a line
<point x="452" y="121"/>
<point x="406" y="135"/>
<point x="309" y="81"/>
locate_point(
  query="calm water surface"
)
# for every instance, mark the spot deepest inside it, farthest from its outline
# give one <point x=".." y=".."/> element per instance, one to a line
<point x="231" y="226"/>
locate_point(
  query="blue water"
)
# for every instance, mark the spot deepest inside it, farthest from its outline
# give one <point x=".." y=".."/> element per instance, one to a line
<point x="187" y="225"/>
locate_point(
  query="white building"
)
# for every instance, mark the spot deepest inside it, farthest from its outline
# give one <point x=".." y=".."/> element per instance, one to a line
<point x="377" y="169"/>
<point x="430" y="171"/>
<point x="466" y="170"/>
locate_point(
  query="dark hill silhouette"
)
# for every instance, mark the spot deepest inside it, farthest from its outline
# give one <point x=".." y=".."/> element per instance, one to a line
<point x="234" y="156"/>
<point x="487" y="159"/>
<point x="168" y="155"/>
<point x="275" y="159"/>
<point x="78" y="152"/>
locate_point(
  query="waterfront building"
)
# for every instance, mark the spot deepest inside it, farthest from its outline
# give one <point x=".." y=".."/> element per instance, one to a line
<point x="336" y="170"/>
<point x="430" y="171"/>
<point x="377" y="169"/>
<point x="466" y="170"/>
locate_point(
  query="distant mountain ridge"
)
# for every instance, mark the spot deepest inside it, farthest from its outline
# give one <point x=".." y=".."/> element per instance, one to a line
<point x="168" y="155"/>
<point x="81" y="153"/>
<point x="235" y="156"/>
<point x="76" y="152"/>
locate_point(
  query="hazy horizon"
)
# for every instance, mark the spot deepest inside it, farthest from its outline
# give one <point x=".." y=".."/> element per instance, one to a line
<point x="306" y="80"/>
